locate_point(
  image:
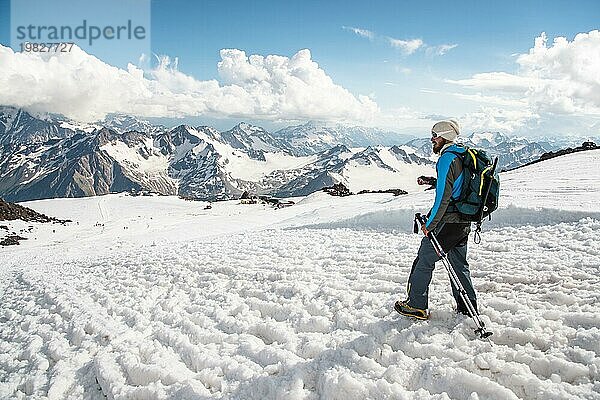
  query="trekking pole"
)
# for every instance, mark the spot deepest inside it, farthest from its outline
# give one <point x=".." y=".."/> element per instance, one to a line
<point x="481" y="331"/>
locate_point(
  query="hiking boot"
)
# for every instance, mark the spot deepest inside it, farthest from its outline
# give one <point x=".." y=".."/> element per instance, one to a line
<point x="403" y="308"/>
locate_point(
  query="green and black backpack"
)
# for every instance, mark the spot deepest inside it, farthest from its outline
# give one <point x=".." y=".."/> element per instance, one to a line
<point x="480" y="189"/>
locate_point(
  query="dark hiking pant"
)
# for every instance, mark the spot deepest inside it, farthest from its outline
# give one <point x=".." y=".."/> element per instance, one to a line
<point x="453" y="238"/>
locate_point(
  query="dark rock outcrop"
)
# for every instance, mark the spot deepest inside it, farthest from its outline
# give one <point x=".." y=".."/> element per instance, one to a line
<point x="11" y="212"/>
<point x="395" y="192"/>
<point x="11" y="240"/>
<point x="338" y="189"/>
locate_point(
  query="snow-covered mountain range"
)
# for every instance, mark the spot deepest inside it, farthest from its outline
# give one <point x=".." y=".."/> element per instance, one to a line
<point x="46" y="158"/>
<point x="50" y="156"/>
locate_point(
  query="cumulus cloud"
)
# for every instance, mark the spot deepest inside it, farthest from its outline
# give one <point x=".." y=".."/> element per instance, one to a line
<point x="360" y="32"/>
<point x="568" y="73"/>
<point x="82" y="87"/>
<point x="406" y="46"/>
<point x="563" y="78"/>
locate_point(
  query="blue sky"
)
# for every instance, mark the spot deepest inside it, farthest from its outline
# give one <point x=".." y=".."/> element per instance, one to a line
<point x="481" y="37"/>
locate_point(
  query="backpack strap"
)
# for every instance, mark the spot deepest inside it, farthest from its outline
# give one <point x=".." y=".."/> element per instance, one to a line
<point x="468" y="151"/>
<point x="461" y="156"/>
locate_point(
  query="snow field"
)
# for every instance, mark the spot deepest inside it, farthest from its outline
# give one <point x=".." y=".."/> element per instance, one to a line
<point x="570" y="182"/>
<point x="305" y="314"/>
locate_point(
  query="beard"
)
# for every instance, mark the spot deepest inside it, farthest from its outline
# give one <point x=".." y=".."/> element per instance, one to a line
<point x="437" y="146"/>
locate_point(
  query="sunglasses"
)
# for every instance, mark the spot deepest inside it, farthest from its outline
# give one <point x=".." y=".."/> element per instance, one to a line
<point x="435" y="135"/>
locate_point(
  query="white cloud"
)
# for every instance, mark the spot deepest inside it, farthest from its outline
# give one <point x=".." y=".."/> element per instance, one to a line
<point x="85" y="88"/>
<point x="406" y="46"/>
<point x="501" y="81"/>
<point x="499" y="113"/>
<point x="441" y="49"/>
<point x="568" y="73"/>
<point x="561" y="79"/>
<point x="361" y="32"/>
<point x="497" y="100"/>
<point x="499" y="119"/>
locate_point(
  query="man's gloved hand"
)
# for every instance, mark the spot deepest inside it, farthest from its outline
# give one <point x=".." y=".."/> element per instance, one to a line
<point x="426" y="180"/>
<point x="425" y="231"/>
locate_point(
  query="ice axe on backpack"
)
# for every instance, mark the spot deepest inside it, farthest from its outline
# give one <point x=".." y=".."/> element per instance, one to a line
<point x="481" y="331"/>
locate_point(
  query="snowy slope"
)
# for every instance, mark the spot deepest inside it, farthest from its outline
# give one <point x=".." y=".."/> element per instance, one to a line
<point x="152" y="164"/>
<point x="569" y="182"/>
<point x="235" y="162"/>
<point x="155" y="297"/>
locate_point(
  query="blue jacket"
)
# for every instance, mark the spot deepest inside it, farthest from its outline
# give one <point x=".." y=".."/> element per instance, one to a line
<point x="448" y="187"/>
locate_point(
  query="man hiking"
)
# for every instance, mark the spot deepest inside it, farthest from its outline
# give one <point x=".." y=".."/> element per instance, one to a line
<point x="451" y="230"/>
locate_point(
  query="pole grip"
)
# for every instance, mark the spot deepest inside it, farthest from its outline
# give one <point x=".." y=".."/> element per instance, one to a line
<point x="421" y="220"/>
